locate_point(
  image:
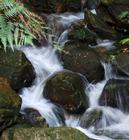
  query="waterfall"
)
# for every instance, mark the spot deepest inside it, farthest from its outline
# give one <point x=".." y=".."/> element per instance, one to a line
<point x="45" y="63"/>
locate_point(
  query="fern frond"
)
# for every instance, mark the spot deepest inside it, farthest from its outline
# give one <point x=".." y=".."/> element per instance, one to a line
<point x="19" y="26"/>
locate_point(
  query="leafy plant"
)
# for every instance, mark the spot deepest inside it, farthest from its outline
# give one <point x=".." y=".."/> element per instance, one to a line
<point x="19" y="26"/>
<point x="125" y="41"/>
<point x="123" y="15"/>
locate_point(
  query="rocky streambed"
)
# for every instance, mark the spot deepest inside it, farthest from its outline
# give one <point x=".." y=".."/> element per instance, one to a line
<point x="46" y="93"/>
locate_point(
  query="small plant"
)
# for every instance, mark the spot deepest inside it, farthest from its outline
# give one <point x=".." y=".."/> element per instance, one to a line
<point x="125" y="41"/>
<point x="19" y="26"/>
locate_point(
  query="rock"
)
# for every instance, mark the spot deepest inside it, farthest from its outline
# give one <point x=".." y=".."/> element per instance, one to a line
<point x="119" y="11"/>
<point x="16" y="68"/>
<point x="78" y="57"/>
<point x="10" y="104"/>
<point x="91" y="4"/>
<point x="116" y="135"/>
<point x="101" y="28"/>
<point x="79" y="32"/>
<point x="53" y="6"/>
<point x="63" y="133"/>
<point x="67" y="89"/>
<point x="119" y="60"/>
<point x="33" y="117"/>
<point x="90" y="118"/>
<point x="116" y="94"/>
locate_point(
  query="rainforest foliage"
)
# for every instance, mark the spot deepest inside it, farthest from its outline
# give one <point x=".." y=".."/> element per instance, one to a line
<point x="19" y="26"/>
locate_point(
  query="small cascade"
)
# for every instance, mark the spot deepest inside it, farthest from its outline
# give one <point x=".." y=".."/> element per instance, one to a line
<point x="45" y="63"/>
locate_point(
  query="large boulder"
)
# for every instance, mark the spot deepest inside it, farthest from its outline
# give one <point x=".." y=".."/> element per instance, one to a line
<point x="78" y="57"/>
<point x="116" y="94"/>
<point x="16" y="68"/>
<point x="67" y="89"/>
<point x="63" y="133"/>
<point x="10" y="104"/>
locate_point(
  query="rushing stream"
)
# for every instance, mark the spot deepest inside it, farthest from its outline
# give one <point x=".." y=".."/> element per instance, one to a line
<point x="45" y="63"/>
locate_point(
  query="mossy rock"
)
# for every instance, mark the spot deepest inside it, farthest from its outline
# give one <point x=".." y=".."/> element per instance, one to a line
<point x="34" y="118"/>
<point x="63" y="133"/>
<point x="91" y="118"/>
<point x="100" y="27"/>
<point x="67" y="89"/>
<point x="78" y="57"/>
<point x="10" y="104"/>
<point x="79" y="31"/>
<point x="16" y="68"/>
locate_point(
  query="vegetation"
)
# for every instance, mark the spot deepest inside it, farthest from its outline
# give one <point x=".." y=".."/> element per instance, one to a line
<point x="19" y="26"/>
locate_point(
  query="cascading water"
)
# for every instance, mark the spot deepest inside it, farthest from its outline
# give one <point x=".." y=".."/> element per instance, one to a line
<point x="45" y="63"/>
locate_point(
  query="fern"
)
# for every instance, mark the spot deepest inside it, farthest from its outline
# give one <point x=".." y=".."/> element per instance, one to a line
<point x="125" y="41"/>
<point x="19" y="26"/>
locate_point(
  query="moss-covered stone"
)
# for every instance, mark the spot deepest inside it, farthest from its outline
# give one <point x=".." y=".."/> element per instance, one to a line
<point x="79" y="31"/>
<point x="91" y="118"/>
<point x="9" y="104"/>
<point x="101" y="28"/>
<point x="34" y="118"/>
<point x="16" y="68"/>
<point x="67" y="89"/>
<point x="63" y="133"/>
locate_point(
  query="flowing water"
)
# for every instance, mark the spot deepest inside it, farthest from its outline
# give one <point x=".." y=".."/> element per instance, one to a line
<point x="45" y="63"/>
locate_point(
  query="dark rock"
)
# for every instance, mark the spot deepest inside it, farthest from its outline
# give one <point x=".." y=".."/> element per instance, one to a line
<point x="116" y="94"/>
<point x="91" y="118"/>
<point x="117" y="12"/>
<point x="78" y="57"/>
<point x="118" y="59"/>
<point x="79" y="31"/>
<point x="67" y="89"/>
<point x="91" y="4"/>
<point x="53" y="6"/>
<point x="33" y="117"/>
<point x="16" y="68"/>
<point x="10" y="104"/>
<point x="101" y="28"/>
<point x="63" y="133"/>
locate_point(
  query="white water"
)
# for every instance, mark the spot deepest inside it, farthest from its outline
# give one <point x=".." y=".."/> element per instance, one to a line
<point x="46" y="63"/>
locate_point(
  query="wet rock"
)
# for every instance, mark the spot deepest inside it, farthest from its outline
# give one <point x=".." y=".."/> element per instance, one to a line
<point x="33" y="117"/>
<point x="91" y="118"/>
<point x="78" y="57"/>
<point x="117" y="135"/>
<point x="63" y="133"/>
<point x="53" y="6"/>
<point x="120" y="13"/>
<point x="79" y="31"/>
<point x="16" y="68"/>
<point x="9" y="105"/>
<point x="67" y="89"/>
<point x="91" y="4"/>
<point x="116" y="94"/>
<point x="101" y="28"/>
<point x="119" y="60"/>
